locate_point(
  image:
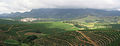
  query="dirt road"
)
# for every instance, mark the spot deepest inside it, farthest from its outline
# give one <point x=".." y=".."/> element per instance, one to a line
<point x="94" y="43"/>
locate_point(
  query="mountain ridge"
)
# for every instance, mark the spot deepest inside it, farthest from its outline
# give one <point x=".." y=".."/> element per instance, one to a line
<point x="62" y="13"/>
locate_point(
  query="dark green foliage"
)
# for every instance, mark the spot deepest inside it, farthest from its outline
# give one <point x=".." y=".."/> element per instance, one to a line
<point x="30" y="39"/>
<point x="2" y="21"/>
<point x="79" y="26"/>
<point x="11" y="43"/>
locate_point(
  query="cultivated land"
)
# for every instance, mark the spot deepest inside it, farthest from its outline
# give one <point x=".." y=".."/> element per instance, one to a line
<point x="58" y="34"/>
<point x="60" y="27"/>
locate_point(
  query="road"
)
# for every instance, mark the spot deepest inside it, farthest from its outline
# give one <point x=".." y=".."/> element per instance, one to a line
<point x="94" y="43"/>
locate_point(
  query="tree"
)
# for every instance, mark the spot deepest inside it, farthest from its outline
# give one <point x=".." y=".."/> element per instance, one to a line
<point x="11" y="43"/>
<point x="29" y="39"/>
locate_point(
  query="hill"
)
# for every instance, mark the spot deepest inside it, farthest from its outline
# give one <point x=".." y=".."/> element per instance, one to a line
<point x="96" y="19"/>
<point x="81" y="27"/>
<point x="56" y="34"/>
<point x="5" y="21"/>
<point x="62" y="13"/>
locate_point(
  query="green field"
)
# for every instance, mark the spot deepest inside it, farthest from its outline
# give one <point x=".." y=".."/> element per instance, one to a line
<point x="56" y="34"/>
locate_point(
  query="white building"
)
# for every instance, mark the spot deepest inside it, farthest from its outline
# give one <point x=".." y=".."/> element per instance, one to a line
<point x="28" y="19"/>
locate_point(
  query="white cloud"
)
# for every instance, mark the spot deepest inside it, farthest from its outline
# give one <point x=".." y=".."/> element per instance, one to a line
<point x="8" y="6"/>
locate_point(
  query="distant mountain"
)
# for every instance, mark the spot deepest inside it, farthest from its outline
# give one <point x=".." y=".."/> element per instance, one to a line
<point x="62" y="13"/>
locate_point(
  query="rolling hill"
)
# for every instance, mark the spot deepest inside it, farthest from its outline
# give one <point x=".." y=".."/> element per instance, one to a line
<point x="95" y="19"/>
<point x="62" y="13"/>
<point x="61" y="33"/>
<point x="55" y="34"/>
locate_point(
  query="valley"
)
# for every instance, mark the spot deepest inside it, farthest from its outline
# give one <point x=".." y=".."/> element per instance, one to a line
<point x="62" y="33"/>
<point x="60" y="27"/>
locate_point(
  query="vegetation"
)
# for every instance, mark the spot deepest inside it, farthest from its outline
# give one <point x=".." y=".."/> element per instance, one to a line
<point x="62" y="33"/>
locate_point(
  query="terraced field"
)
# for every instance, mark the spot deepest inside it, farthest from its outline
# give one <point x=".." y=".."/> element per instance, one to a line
<point x="55" y="34"/>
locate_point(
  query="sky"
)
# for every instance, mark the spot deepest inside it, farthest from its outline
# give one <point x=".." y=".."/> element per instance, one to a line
<point x="12" y="6"/>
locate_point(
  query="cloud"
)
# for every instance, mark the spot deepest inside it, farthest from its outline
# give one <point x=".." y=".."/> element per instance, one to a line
<point x="8" y="6"/>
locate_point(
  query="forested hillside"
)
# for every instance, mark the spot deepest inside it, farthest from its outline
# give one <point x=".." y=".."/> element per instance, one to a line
<point x="62" y="13"/>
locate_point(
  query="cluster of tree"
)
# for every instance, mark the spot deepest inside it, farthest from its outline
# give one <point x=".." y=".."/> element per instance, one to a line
<point x="70" y="22"/>
<point x="28" y="41"/>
